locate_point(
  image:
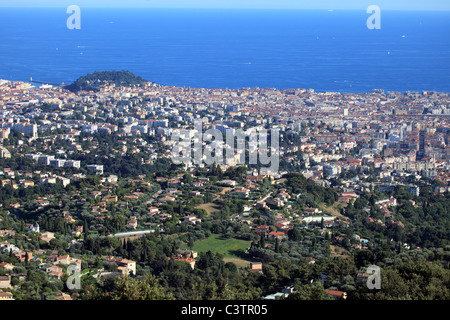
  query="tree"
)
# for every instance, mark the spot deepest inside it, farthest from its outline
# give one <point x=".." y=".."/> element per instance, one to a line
<point x="95" y="80"/>
<point x="277" y="245"/>
<point x="187" y="178"/>
<point x="148" y="288"/>
<point x="85" y="229"/>
<point x="364" y="258"/>
<point x="262" y="241"/>
<point x="415" y="280"/>
<point x="312" y="291"/>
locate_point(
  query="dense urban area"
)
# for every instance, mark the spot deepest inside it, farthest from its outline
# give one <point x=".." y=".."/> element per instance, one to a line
<point x="89" y="192"/>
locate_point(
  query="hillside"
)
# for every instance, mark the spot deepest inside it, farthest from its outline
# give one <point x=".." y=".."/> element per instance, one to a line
<point x="94" y="81"/>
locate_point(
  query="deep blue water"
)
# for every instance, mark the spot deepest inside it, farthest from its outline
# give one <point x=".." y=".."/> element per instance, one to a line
<point x="327" y="51"/>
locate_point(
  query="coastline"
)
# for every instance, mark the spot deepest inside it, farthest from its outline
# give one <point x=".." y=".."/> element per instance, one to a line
<point x="312" y="90"/>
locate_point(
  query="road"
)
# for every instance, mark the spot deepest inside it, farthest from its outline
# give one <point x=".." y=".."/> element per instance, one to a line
<point x="263" y="199"/>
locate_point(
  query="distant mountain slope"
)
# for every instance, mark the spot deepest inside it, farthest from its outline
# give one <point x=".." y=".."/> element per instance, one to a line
<point x="94" y="81"/>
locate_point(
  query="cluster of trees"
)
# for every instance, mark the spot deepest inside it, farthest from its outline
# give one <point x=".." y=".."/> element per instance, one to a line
<point x="159" y="276"/>
<point x="286" y="262"/>
<point x="301" y="246"/>
<point x="94" y="81"/>
<point x="312" y="194"/>
<point x="10" y="195"/>
<point x="425" y="218"/>
<point x="413" y="280"/>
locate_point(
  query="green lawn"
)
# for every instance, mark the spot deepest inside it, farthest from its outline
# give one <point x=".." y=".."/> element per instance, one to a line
<point x="226" y="247"/>
<point x="229" y="248"/>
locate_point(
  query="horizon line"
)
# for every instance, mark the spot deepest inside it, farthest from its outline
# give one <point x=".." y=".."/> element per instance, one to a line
<point x="221" y="8"/>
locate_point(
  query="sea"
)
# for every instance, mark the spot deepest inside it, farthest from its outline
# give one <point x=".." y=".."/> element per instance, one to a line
<point x="326" y="50"/>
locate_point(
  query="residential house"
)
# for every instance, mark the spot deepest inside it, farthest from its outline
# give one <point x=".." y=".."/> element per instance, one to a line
<point x="174" y="183"/>
<point x="288" y="290"/>
<point x="277" y="202"/>
<point x="198" y="184"/>
<point x="261" y="205"/>
<point x="7" y="233"/>
<point x="256" y="267"/>
<point x="311" y="211"/>
<point x="277" y="235"/>
<point x="283" y="195"/>
<point x="339" y="222"/>
<point x="78" y="231"/>
<point x="52" y="258"/>
<point x="318" y="219"/>
<point x="22" y="256"/>
<point x="110" y="198"/>
<point x="95" y="194"/>
<point x="189" y="260"/>
<point x="54" y="272"/>
<point x="64" y="259"/>
<point x="132" y="223"/>
<point x="384" y="204"/>
<point x="6" y="295"/>
<point x="5" y="282"/>
<point x="344" y="199"/>
<point x="164" y="216"/>
<point x="250" y="185"/>
<point x="257" y="178"/>
<point x="33" y="228"/>
<point x="153" y="210"/>
<point x="15" y="205"/>
<point x="192" y="219"/>
<point x="362" y="277"/>
<point x="28" y="184"/>
<point x="167" y="199"/>
<point x="188" y="253"/>
<point x="283" y="227"/>
<point x="7" y="265"/>
<point x="227" y="182"/>
<point x="63" y="296"/>
<point x="349" y="194"/>
<point x="336" y="294"/>
<point x="69" y="219"/>
<point x="8" y="246"/>
<point x="47" y="236"/>
<point x="126" y="266"/>
<point x="196" y="194"/>
<point x="242" y="192"/>
<point x="262" y="229"/>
